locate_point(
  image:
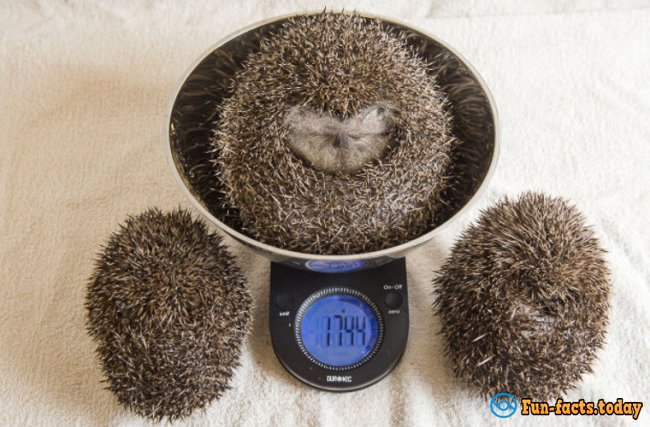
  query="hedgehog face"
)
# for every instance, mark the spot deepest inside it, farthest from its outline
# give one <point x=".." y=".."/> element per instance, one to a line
<point x="333" y="144"/>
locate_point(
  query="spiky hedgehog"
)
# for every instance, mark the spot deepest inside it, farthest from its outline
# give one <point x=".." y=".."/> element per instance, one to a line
<point x="168" y="309"/>
<point x="523" y="298"/>
<point x="334" y="81"/>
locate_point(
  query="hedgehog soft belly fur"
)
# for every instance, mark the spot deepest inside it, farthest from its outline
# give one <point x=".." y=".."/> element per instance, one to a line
<point x="340" y="64"/>
<point x="523" y="298"/>
<point x="169" y="310"/>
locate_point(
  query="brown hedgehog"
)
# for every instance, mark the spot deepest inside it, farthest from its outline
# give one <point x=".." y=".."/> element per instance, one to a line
<point x="168" y="309"/>
<point x="335" y="139"/>
<point x="523" y="298"/>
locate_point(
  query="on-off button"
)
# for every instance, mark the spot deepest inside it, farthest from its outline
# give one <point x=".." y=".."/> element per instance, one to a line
<point x="393" y="300"/>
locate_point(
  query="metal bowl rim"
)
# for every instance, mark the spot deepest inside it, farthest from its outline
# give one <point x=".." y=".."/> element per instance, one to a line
<point x="388" y="252"/>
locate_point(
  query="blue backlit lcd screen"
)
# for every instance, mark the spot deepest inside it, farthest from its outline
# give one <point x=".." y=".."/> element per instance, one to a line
<point x="339" y="329"/>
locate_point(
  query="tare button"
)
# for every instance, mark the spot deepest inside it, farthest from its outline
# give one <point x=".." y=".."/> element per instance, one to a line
<point x="284" y="302"/>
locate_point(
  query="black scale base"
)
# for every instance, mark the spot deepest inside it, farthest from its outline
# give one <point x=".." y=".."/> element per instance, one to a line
<point x="339" y="331"/>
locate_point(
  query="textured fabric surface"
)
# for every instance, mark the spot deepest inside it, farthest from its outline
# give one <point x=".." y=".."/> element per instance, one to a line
<point x="83" y="92"/>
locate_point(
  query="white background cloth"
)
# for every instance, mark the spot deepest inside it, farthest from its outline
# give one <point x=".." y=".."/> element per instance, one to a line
<point x="83" y="91"/>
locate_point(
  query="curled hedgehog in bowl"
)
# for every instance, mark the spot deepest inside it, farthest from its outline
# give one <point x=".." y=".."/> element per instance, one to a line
<point x="335" y="138"/>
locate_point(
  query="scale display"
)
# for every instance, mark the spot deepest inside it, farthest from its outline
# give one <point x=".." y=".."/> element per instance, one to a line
<point x="338" y="329"/>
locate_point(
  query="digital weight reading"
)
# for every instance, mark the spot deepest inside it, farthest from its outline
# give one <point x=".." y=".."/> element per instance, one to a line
<point x="338" y="328"/>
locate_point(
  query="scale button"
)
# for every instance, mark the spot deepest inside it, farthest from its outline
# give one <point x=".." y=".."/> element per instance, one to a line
<point x="393" y="300"/>
<point x="284" y="301"/>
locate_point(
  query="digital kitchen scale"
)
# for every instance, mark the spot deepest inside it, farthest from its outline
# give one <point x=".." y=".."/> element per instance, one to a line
<point x="338" y="323"/>
<point x="339" y="331"/>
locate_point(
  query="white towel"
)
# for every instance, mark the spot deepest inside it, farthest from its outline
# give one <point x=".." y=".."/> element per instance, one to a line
<point x="83" y="91"/>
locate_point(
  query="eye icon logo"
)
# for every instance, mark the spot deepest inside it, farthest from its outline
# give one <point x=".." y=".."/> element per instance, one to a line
<point x="503" y="405"/>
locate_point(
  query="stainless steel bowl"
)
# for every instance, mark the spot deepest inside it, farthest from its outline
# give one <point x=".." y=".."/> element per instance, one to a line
<point x="192" y="113"/>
